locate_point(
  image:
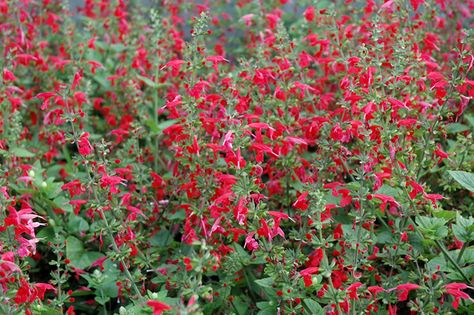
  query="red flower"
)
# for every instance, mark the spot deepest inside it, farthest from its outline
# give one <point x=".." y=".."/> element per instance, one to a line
<point x="315" y="258"/>
<point x="302" y="203"/>
<point x="216" y="60"/>
<point x="45" y="97"/>
<point x="278" y="215"/>
<point x="158" y="307"/>
<point x="416" y="3"/>
<point x="307" y="275"/>
<point x="70" y="311"/>
<point x="405" y="289"/>
<point x="189" y="235"/>
<point x="374" y="290"/>
<point x="338" y="278"/>
<point x="174" y="64"/>
<point x="24" y="293"/>
<point x="309" y="14"/>
<point x="250" y="242"/>
<point x="41" y="288"/>
<point x="240" y="211"/>
<point x="8" y="75"/>
<point x="352" y="290"/>
<point x="404" y="237"/>
<point x="338" y="232"/>
<point x="454" y="289"/>
<point x="84" y="146"/>
<point x="392" y="309"/>
<point x="77" y="80"/>
<point x="80" y="98"/>
<point x="112" y="182"/>
<point x="264" y="230"/>
<point x="386" y="199"/>
<point x="77" y="205"/>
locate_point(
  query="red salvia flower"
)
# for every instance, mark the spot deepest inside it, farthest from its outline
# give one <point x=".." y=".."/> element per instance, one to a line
<point x="158" y="307"/>
<point x="302" y="203"/>
<point x="454" y="289"/>
<point x="8" y="75"/>
<point x="405" y="289"/>
<point x="84" y="146"/>
<point x="352" y="290"/>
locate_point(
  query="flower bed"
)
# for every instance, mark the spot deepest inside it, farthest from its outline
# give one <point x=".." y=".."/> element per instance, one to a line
<point x="252" y="157"/>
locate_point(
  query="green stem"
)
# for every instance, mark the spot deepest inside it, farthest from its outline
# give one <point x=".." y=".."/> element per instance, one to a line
<point x="382" y="220"/>
<point x="431" y="130"/>
<point x="155" y="117"/>
<point x="438" y="243"/>
<point x="108" y="228"/>
<point x="287" y="192"/>
<point x="233" y="306"/>
<point x="334" y="294"/>
<point x="117" y="250"/>
<point x="451" y="260"/>
<point x="252" y="294"/>
<point x="444" y="251"/>
<point x="104" y="306"/>
<point x="464" y="246"/>
<point x="58" y="285"/>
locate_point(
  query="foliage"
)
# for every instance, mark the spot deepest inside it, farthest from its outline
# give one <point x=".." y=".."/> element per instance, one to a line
<point x="236" y="157"/>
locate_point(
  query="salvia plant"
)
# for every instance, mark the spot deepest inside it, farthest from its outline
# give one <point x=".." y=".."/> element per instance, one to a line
<point x="236" y="157"/>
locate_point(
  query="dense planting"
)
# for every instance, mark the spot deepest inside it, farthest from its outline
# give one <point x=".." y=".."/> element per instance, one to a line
<point x="236" y="157"/>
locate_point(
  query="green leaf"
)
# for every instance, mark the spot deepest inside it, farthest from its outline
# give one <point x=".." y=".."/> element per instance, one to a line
<point x="81" y="293"/>
<point x="151" y="83"/>
<point x="456" y="127"/>
<point x="267" y="311"/>
<point x="329" y="198"/>
<point x="77" y="224"/>
<point x="464" y="178"/>
<point x="240" y="305"/>
<point x="109" y="284"/>
<point x="313" y="307"/>
<point x="78" y="256"/>
<point x="167" y="123"/>
<point x="159" y="279"/>
<point x="63" y="203"/>
<point x="152" y="125"/>
<point x="102" y="300"/>
<point x="155" y="128"/>
<point x="48" y="234"/>
<point x="244" y="257"/>
<point x="470" y="119"/>
<point x="113" y="47"/>
<point x="161" y="239"/>
<point x="46" y="310"/>
<point x="148" y="81"/>
<point x="432" y="228"/>
<point x="353" y="186"/>
<point x="464" y="229"/>
<point x="389" y="191"/>
<point x="101" y="79"/>
<point x="87" y="258"/>
<point x="52" y="189"/>
<point x="266" y="308"/>
<point x="265" y="283"/>
<point x="445" y="214"/>
<point x="467" y="260"/>
<point x="21" y="152"/>
<point x="384" y="236"/>
<point x="418" y="243"/>
<point x="74" y="248"/>
<point x="178" y="215"/>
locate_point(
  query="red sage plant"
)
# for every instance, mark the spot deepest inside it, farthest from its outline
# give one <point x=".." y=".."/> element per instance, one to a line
<point x="236" y="157"/>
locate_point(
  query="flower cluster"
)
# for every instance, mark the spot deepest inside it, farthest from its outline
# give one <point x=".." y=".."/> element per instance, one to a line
<point x="244" y="157"/>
